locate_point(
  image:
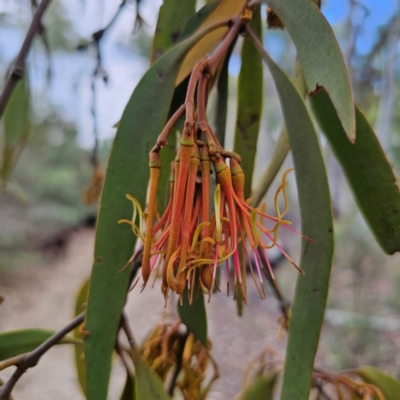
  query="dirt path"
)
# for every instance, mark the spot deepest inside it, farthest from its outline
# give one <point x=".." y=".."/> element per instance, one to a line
<point x="44" y="297"/>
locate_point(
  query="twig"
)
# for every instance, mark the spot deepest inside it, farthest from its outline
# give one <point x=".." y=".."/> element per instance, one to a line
<point x="201" y="72"/>
<point x="9" y="362"/>
<point x="18" y="70"/>
<point x="178" y="365"/>
<point x="120" y="351"/>
<point x="31" y="359"/>
<point x="42" y="33"/>
<point x="99" y="71"/>
<point x="128" y="332"/>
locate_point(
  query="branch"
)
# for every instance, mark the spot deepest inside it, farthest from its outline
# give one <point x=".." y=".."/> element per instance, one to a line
<point x="179" y="362"/>
<point x="31" y="359"/>
<point x="99" y="71"/>
<point x="18" y="70"/>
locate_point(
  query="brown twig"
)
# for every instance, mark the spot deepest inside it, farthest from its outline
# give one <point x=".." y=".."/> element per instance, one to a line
<point x="18" y="70"/>
<point x="201" y="70"/>
<point x="179" y="362"/>
<point x="99" y="71"/>
<point x="163" y="136"/>
<point x="220" y="53"/>
<point x="128" y="332"/>
<point x="120" y="351"/>
<point x="31" y="359"/>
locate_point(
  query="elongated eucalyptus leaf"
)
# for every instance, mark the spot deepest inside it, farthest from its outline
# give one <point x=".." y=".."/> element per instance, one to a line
<point x="389" y="386"/>
<point x="261" y="389"/>
<point x="249" y="108"/>
<point x="80" y="363"/>
<point x="225" y="10"/>
<point x="194" y="315"/>
<point x="14" y="343"/>
<point x="127" y="172"/>
<point x="316" y="223"/>
<point x="129" y="389"/>
<point x="320" y="56"/>
<point x="16" y="127"/>
<point x="147" y="383"/>
<point x="172" y="19"/>
<point x="367" y="170"/>
<point x="222" y="101"/>
<point x="281" y="148"/>
<point x="198" y="19"/>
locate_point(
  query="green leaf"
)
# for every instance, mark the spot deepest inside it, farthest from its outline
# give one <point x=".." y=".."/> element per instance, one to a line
<point x="16" y="127"/>
<point x="127" y="172"/>
<point x="194" y="315"/>
<point x="197" y="19"/>
<point x="316" y="222"/>
<point x="80" y="363"/>
<point x="172" y="19"/>
<point x="129" y="389"/>
<point x="221" y="109"/>
<point x="261" y="389"/>
<point x="14" y="343"/>
<point x="148" y="385"/>
<point x="367" y="170"/>
<point x="281" y="148"/>
<point x="320" y="56"/>
<point x="389" y="386"/>
<point x="249" y="108"/>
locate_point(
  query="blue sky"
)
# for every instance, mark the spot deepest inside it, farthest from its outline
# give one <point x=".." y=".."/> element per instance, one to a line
<point x="380" y="12"/>
<point x="336" y="12"/>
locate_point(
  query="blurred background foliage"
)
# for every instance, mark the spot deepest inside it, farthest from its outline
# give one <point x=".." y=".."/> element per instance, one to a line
<point x="41" y="204"/>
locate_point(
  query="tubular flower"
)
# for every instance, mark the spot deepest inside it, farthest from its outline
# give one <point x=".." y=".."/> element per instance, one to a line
<point x="189" y="242"/>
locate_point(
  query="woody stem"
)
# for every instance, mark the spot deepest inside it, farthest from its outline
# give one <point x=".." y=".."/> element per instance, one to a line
<point x="219" y="55"/>
<point x="163" y="137"/>
<point x="210" y="65"/>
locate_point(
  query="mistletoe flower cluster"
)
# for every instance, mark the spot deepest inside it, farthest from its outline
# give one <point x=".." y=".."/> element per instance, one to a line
<point x="187" y="241"/>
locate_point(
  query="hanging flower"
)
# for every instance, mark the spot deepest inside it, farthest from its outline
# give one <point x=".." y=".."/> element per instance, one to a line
<point x="187" y="242"/>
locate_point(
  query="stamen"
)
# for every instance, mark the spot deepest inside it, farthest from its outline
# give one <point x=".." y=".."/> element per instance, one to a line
<point x="196" y="235"/>
<point x="227" y="277"/>
<point x="253" y="228"/>
<point x="214" y="270"/>
<point x="258" y="262"/>
<point x="286" y="255"/>
<point x="137" y="210"/>
<point x="170" y="268"/>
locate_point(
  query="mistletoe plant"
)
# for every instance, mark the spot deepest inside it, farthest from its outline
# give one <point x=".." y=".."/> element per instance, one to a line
<point x="194" y="212"/>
